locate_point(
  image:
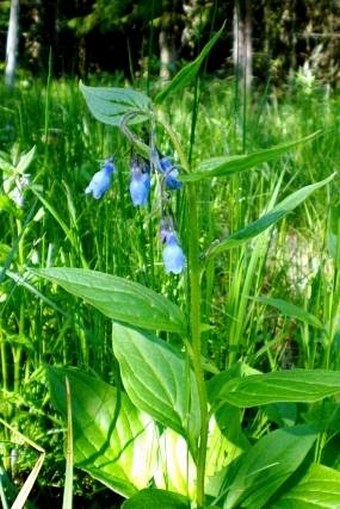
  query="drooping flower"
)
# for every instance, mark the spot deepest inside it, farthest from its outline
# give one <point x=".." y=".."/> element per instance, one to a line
<point x="101" y="180"/>
<point x="173" y="256"/>
<point x="170" y="173"/>
<point x="140" y="181"/>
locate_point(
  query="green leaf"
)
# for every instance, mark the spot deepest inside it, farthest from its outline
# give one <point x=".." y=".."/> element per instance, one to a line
<point x="154" y="499"/>
<point x="272" y="217"/>
<point x="24" y="161"/>
<point x="267" y="465"/>
<point x="187" y="73"/>
<point x="119" y="298"/>
<point x="112" y="105"/>
<point x="288" y="309"/>
<point x="224" y="447"/>
<point x="113" y="441"/>
<point x="176" y="469"/>
<point x="318" y="489"/>
<point x="221" y="166"/>
<point x="22" y="165"/>
<point x="295" y="385"/>
<point x="156" y="379"/>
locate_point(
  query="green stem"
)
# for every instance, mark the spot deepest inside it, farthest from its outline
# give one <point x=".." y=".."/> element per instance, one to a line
<point x="194" y="301"/>
<point x="195" y="328"/>
<point x="3" y="356"/>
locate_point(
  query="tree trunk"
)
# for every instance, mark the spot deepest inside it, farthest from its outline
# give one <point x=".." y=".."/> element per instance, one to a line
<point x="242" y="46"/>
<point x="170" y="29"/>
<point x="167" y="54"/>
<point x="12" y="43"/>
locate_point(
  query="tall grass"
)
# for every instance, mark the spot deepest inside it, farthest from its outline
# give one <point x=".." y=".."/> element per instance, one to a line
<point x="59" y="226"/>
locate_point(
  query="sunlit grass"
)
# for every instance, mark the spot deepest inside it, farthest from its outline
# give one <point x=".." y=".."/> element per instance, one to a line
<point x="60" y="226"/>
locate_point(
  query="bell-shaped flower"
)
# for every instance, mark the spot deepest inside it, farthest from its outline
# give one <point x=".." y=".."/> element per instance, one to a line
<point x="170" y="173"/>
<point x="140" y="181"/>
<point x="173" y="256"/>
<point x="101" y="180"/>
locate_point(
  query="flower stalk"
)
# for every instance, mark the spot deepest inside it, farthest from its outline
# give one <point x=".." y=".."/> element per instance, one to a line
<point x="194" y="303"/>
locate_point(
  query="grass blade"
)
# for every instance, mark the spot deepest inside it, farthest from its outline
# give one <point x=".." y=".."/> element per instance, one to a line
<point x="68" y="488"/>
<point x="264" y="222"/>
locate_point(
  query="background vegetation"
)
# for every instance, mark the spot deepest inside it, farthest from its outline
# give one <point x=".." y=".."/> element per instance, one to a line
<point x="293" y="94"/>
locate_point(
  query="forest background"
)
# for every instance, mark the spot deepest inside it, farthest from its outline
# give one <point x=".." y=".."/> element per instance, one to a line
<point x="275" y="38"/>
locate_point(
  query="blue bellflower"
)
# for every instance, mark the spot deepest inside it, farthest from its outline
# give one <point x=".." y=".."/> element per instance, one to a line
<point x="101" y="180"/>
<point x="173" y="256"/>
<point x="170" y="173"/>
<point x="140" y="182"/>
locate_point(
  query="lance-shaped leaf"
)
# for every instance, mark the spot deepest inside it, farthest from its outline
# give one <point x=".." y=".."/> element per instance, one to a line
<point x="289" y="309"/>
<point x="113" y="441"/>
<point x="267" y="465"/>
<point x="119" y="298"/>
<point x="221" y="166"/>
<point x="272" y="217"/>
<point x="188" y="73"/>
<point x="111" y="105"/>
<point x="158" y="381"/>
<point x="319" y="488"/>
<point x="295" y="385"/>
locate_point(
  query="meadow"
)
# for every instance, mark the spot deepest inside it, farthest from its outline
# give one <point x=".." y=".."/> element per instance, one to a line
<point x="260" y="290"/>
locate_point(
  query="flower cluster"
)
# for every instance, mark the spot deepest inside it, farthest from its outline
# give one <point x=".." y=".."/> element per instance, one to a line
<point x="140" y="183"/>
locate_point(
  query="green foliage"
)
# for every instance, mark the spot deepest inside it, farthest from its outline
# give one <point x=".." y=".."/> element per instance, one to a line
<point x="161" y="391"/>
<point x="113" y="441"/>
<point x="289" y="385"/>
<point x="154" y="498"/>
<point x="158" y="381"/>
<point x="269" y="219"/>
<point x="113" y="105"/>
<point x="318" y="488"/>
<point x="221" y="166"/>
<point x="265" y="467"/>
<point x="289" y="309"/>
<point x="119" y="299"/>
<point x="188" y="72"/>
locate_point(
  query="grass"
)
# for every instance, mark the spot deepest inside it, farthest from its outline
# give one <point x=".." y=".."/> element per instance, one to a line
<point x="59" y="226"/>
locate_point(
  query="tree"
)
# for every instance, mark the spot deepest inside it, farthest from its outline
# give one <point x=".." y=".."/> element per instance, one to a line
<point x="242" y="45"/>
<point x="12" y="43"/>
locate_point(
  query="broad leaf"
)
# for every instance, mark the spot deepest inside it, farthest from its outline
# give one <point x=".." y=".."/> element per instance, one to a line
<point x="225" y="444"/>
<point x="221" y="166"/>
<point x="318" y="489"/>
<point x="187" y="73"/>
<point x="158" y="381"/>
<point x="288" y="309"/>
<point x="113" y="441"/>
<point x="112" y="105"/>
<point x="155" y="499"/>
<point x="176" y="470"/>
<point x="296" y="385"/>
<point x="264" y="222"/>
<point x="119" y="298"/>
<point x="267" y="465"/>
